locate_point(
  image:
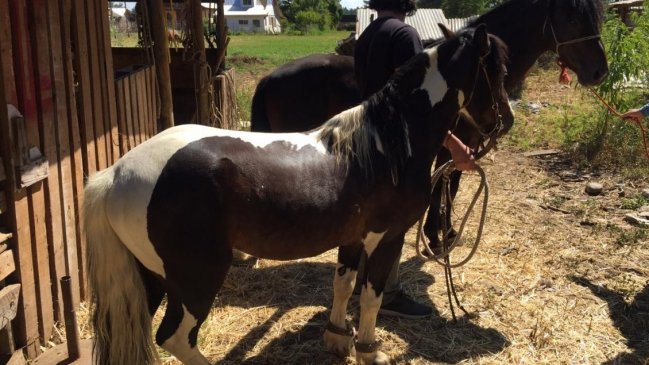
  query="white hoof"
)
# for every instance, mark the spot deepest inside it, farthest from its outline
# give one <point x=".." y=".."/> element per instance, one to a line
<point x="375" y="358"/>
<point x="340" y="345"/>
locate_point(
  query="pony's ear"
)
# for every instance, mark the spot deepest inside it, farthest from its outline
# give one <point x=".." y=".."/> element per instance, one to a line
<point x="447" y="32"/>
<point x="481" y="39"/>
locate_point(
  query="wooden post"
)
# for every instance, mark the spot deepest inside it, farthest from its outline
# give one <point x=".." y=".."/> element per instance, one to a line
<point x="201" y="82"/>
<point x="222" y="39"/>
<point x="162" y="60"/>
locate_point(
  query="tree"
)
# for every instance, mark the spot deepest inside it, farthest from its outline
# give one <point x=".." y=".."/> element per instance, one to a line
<point x="434" y="4"/>
<point x="319" y="13"/>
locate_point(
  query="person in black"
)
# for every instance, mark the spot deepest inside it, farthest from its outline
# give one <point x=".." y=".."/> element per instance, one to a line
<point x="387" y="43"/>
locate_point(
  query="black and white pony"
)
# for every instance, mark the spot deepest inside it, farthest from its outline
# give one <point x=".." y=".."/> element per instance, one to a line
<point x="166" y="217"/>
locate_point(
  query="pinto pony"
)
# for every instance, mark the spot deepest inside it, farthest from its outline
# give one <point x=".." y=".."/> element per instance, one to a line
<point x="165" y="218"/>
<point x="302" y="94"/>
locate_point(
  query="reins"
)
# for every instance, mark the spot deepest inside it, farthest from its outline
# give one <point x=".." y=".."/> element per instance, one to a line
<point x="443" y="172"/>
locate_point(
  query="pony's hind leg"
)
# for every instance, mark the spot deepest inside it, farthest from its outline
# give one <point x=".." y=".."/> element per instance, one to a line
<point x="189" y="303"/>
<point x="338" y="336"/>
<point x="154" y="288"/>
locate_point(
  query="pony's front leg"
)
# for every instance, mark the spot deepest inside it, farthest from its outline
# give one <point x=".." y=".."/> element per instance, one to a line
<point x="380" y="259"/>
<point x="339" y="334"/>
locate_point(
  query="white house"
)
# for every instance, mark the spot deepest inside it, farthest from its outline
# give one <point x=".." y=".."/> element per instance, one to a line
<point x="251" y="16"/>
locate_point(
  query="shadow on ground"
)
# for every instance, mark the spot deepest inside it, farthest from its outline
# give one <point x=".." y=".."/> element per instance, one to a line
<point x="631" y="319"/>
<point x="309" y="284"/>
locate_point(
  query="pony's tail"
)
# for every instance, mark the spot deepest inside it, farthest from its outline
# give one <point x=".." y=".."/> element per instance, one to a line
<point x="121" y="319"/>
<point x="258" y="117"/>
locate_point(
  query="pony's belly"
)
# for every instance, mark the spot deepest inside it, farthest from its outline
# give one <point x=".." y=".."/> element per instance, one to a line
<point x="290" y="238"/>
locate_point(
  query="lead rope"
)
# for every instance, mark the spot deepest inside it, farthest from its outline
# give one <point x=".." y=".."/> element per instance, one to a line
<point x="619" y="115"/>
<point x="443" y="258"/>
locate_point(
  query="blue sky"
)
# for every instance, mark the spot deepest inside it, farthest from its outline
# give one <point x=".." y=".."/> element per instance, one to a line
<point x="351" y="4"/>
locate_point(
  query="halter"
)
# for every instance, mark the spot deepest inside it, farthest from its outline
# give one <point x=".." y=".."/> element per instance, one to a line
<point x="572" y="41"/>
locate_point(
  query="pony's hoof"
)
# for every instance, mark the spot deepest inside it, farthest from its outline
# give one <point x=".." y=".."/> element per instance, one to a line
<point x="341" y="345"/>
<point x="376" y="358"/>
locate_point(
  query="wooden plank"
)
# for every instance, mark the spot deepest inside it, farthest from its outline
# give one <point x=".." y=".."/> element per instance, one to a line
<point x="47" y="197"/>
<point x="130" y="106"/>
<point x="7" y="264"/>
<point x="150" y="87"/>
<point x="96" y="86"/>
<point x="129" y="113"/>
<point x="120" y="97"/>
<point x="6" y="52"/>
<point x="18" y="358"/>
<point x="145" y="102"/>
<point x="30" y="208"/>
<point x="5" y="235"/>
<point x="98" y="14"/>
<point x="141" y="88"/>
<point x="109" y="75"/>
<point x="82" y="73"/>
<point x="135" y="107"/>
<point x="71" y="146"/>
<point x="52" y="307"/>
<point x="153" y="92"/>
<point x="8" y="303"/>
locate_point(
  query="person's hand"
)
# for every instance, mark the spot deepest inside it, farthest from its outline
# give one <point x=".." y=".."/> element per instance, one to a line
<point x="633" y="114"/>
<point x="461" y="154"/>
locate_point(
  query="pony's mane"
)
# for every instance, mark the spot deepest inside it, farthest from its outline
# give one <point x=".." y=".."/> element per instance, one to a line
<point x="376" y="126"/>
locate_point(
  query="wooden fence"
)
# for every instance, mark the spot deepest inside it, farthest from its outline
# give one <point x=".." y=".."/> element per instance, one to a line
<point x="56" y="67"/>
<point x="137" y="106"/>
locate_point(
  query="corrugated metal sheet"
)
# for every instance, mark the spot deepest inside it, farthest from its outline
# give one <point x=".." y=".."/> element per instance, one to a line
<point x="456" y="24"/>
<point x="425" y="21"/>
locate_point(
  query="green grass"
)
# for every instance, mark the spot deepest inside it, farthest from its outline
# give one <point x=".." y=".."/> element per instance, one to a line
<point x="276" y="50"/>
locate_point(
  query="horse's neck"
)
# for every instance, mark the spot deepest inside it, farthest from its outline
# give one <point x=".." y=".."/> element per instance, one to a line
<point x="522" y="32"/>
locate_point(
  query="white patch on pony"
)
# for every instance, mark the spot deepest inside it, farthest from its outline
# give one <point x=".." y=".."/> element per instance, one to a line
<point x="379" y="145"/>
<point x="178" y="343"/>
<point x="137" y="172"/>
<point x="370" y="304"/>
<point x="460" y="98"/>
<point x="434" y="82"/>
<point x="343" y="288"/>
<point x="371" y="241"/>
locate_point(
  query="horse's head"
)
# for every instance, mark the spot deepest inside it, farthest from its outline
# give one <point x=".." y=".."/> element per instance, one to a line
<point x="486" y="103"/>
<point x="473" y="62"/>
<point x="573" y="27"/>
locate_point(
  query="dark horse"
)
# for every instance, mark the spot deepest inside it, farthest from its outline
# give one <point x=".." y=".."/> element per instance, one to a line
<point x="165" y="218"/>
<point x="304" y="93"/>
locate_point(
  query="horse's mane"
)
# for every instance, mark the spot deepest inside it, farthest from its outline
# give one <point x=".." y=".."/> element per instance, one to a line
<point x="512" y="8"/>
<point x="376" y="126"/>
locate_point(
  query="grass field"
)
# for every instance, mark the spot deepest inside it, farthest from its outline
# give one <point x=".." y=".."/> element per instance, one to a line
<point x="278" y="49"/>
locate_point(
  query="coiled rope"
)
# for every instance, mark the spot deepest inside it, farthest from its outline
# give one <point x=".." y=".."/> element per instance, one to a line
<point x="443" y="258"/>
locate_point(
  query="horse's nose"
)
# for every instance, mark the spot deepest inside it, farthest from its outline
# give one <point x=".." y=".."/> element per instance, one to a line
<point x="600" y="74"/>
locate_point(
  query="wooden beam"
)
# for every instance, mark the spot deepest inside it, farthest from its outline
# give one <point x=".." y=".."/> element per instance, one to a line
<point x="7" y="264"/>
<point x="8" y="304"/>
<point x="162" y="60"/>
<point x="201" y="83"/>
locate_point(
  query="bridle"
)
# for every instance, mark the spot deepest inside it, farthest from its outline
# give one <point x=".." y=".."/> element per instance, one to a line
<point x="571" y="41"/>
<point x="489" y="137"/>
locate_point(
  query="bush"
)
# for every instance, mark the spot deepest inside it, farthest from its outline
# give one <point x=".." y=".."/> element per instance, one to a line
<point x="598" y="136"/>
